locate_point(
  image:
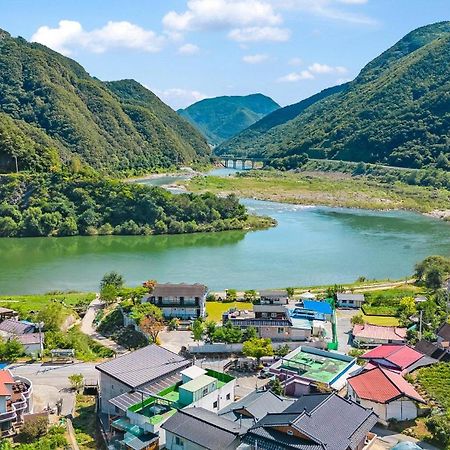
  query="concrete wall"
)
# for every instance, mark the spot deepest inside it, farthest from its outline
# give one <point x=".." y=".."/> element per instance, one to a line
<point x="237" y="348"/>
<point x="110" y="388"/>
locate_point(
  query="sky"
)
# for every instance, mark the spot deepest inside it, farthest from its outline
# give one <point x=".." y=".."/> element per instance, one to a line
<point x="187" y="50"/>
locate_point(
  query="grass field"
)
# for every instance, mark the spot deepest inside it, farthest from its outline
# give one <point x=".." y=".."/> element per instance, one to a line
<point x="38" y="301"/>
<point x="85" y="422"/>
<point x="435" y="381"/>
<point x="216" y="309"/>
<point x="382" y="321"/>
<point x="324" y="188"/>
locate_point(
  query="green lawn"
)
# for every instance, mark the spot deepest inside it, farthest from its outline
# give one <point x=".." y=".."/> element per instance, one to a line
<point x="85" y="422"/>
<point x="216" y="309"/>
<point x="435" y="382"/>
<point x="381" y="320"/>
<point x="36" y="302"/>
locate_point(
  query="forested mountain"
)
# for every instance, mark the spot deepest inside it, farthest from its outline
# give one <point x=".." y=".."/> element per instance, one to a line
<point x="397" y="111"/>
<point x="223" y="117"/>
<point x="52" y="112"/>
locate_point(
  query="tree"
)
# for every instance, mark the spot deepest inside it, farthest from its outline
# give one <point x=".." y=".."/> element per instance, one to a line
<point x="32" y="430"/>
<point x="112" y="279"/>
<point x="198" y="328"/>
<point x="358" y="319"/>
<point x="290" y="292"/>
<point x="282" y="350"/>
<point x="210" y="329"/>
<point x="173" y="324"/>
<point x="109" y="293"/>
<point x="250" y="333"/>
<point x="11" y="350"/>
<point x="276" y="387"/>
<point x="231" y="295"/>
<point x="152" y="327"/>
<point x="257" y="348"/>
<point x="52" y="315"/>
<point x="434" y="278"/>
<point x="149" y="285"/>
<point x="142" y="310"/>
<point x="250" y="295"/>
<point x="76" y="381"/>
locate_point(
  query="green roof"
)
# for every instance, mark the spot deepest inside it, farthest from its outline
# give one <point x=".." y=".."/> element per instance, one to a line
<point x="198" y="383"/>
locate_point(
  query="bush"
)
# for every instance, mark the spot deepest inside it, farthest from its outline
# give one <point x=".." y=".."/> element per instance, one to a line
<point x="33" y="429"/>
<point x="131" y="339"/>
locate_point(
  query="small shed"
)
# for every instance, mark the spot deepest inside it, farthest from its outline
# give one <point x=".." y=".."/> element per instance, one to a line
<point x="344" y="300"/>
<point x="319" y="307"/>
<point x="63" y="355"/>
<point x="196" y="389"/>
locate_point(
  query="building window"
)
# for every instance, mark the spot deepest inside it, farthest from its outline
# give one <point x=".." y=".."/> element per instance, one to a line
<point x="280" y="330"/>
<point x="343" y="301"/>
<point x="274" y="314"/>
<point x="179" y="441"/>
<point x="215" y="404"/>
<point x="264" y="314"/>
<point x="228" y="396"/>
<point x="205" y="392"/>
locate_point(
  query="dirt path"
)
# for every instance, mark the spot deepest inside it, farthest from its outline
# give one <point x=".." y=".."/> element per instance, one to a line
<point x="87" y="327"/>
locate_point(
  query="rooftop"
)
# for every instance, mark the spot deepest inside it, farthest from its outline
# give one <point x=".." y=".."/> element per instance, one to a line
<point x="144" y="365"/>
<point x="179" y="290"/>
<point x="399" y="356"/>
<point x="193" y="372"/>
<point x="198" y="383"/>
<point x="382" y="385"/>
<point x="204" y="428"/>
<point x="377" y="332"/>
<point x="444" y="331"/>
<point x="344" y="296"/>
<point x="322" y="307"/>
<point x="316" y="365"/>
<point x="13" y="326"/>
<point x="5" y="379"/>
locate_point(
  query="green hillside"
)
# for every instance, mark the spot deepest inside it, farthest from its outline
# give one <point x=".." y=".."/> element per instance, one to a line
<point x="397" y="111"/>
<point x="223" y="117"/>
<point x="53" y="113"/>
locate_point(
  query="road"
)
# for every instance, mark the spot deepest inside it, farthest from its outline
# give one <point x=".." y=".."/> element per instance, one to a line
<point x="344" y="327"/>
<point x="50" y="382"/>
<point x="87" y="327"/>
<point x="387" y="439"/>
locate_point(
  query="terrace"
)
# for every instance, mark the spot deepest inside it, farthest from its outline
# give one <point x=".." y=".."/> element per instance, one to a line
<point x="158" y="408"/>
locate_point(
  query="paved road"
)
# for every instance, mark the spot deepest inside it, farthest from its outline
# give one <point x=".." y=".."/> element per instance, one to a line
<point x="174" y="340"/>
<point x="344" y="327"/>
<point x="87" y="327"/>
<point x="50" y="382"/>
<point x="388" y="439"/>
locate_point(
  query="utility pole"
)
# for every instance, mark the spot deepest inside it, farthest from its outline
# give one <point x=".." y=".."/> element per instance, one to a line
<point x="17" y="165"/>
<point x="420" y="324"/>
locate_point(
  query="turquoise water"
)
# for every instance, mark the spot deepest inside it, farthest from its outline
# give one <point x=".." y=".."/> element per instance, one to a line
<point x="310" y="245"/>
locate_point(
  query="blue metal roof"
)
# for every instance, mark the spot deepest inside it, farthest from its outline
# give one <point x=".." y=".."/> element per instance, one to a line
<point x="321" y="307"/>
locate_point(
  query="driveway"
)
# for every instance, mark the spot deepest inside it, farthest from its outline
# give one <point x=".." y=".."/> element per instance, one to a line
<point x="344" y="327"/>
<point x="388" y="439"/>
<point x="50" y="382"/>
<point x="87" y="327"/>
<point x="174" y="340"/>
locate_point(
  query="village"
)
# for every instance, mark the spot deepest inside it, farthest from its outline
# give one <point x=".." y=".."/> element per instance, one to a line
<point x="193" y="369"/>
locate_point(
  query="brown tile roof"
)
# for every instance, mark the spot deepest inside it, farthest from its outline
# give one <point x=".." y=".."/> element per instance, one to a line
<point x="179" y="290"/>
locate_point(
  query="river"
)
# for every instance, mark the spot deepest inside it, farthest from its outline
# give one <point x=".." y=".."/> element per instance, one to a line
<point x="310" y="246"/>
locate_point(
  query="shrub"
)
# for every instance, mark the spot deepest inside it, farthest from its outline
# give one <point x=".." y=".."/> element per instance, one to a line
<point x="33" y="429"/>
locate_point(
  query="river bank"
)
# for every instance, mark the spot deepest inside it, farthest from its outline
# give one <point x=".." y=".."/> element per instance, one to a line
<point x="326" y="189"/>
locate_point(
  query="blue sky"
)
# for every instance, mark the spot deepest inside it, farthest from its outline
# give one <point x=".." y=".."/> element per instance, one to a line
<point x="185" y="50"/>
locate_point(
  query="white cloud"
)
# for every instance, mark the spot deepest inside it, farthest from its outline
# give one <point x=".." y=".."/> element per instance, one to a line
<point x="180" y="98"/>
<point x="255" y="59"/>
<point x="295" y="61"/>
<point x="322" y="69"/>
<point x="327" y="9"/>
<point x="222" y="14"/>
<point x="188" y="49"/>
<point x="296" y="76"/>
<point x="256" y="34"/>
<point x="69" y="35"/>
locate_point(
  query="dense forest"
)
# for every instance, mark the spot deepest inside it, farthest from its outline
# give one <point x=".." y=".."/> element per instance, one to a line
<point x="396" y="112"/>
<point x="65" y="205"/>
<point x="220" y="118"/>
<point x="53" y="114"/>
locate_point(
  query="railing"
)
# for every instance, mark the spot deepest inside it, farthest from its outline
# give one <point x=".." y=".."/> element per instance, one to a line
<point x="8" y="415"/>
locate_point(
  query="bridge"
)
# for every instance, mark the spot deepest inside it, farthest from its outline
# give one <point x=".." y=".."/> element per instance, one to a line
<point x="246" y="162"/>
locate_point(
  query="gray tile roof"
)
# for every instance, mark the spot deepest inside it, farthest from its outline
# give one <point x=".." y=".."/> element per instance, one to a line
<point x="124" y="401"/>
<point x="444" y="331"/>
<point x="333" y="423"/>
<point x="306" y="403"/>
<point x="204" y="428"/>
<point x="143" y="366"/>
<point x="258" y="404"/>
<point x="16" y="327"/>
<point x="179" y="290"/>
<point x="260" y="322"/>
<point x="343" y="296"/>
<point x="432" y="350"/>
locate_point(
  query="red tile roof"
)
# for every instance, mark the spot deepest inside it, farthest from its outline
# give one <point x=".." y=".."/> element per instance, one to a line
<point x="381" y="385"/>
<point x="5" y="378"/>
<point x="377" y="332"/>
<point x="401" y="356"/>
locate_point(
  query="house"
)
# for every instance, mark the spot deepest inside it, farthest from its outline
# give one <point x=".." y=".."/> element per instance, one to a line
<point x="6" y="313"/>
<point x="24" y="332"/>
<point x="305" y="368"/>
<point x="198" y="428"/>
<point x="386" y="392"/>
<point x="399" y="358"/>
<point x="15" y="401"/>
<point x="125" y="379"/>
<point x="194" y="387"/>
<point x="272" y="305"/>
<point x="183" y="301"/>
<point x="367" y="335"/>
<point x="319" y="421"/>
<point x="312" y="310"/>
<point x="254" y="406"/>
<point x="443" y="336"/>
<point x="344" y="300"/>
<point x="432" y="350"/>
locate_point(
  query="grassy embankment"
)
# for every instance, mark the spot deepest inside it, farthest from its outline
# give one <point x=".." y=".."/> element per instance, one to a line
<point x="35" y="302"/>
<point x="325" y="188"/>
<point x="85" y="423"/>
